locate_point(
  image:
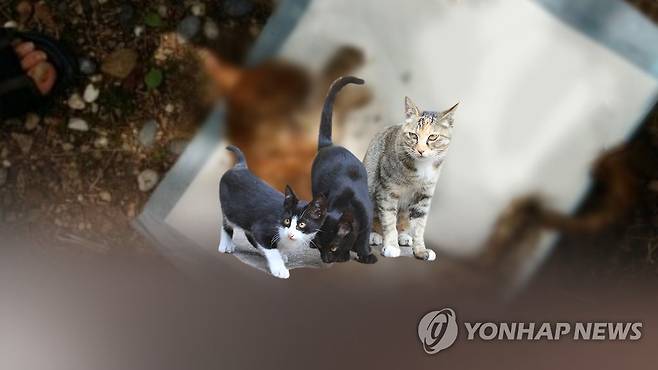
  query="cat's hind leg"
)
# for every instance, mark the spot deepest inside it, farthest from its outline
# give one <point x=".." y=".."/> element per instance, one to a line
<point x="418" y="218"/>
<point x="274" y="259"/>
<point x="226" y="244"/>
<point x="405" y="239"/>
<point x="375" y="238"/>
<point x="404" y="235"/>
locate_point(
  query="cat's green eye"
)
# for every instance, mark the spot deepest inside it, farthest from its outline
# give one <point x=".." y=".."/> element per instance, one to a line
<point x="412" y="136"/>
<point x="433" y="137"/>
<point x="301" y="225"/>
<point x="286" y="221"/>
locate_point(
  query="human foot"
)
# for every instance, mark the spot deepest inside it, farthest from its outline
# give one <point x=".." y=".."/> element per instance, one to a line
<point x="36" y="65"/>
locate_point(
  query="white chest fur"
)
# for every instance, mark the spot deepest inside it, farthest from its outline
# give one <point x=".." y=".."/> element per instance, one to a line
<point x="427" y="171"/>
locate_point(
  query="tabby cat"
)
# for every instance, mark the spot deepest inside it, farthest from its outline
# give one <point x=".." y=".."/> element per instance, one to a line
<point x="404" y="163"/>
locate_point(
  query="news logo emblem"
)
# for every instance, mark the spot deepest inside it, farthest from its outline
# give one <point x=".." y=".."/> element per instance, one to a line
<point x="437" y="330"/>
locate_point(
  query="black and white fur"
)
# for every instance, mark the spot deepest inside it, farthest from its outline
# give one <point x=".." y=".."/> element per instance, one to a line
<point x="268" y="218"/>
<point x="342" y="178"/>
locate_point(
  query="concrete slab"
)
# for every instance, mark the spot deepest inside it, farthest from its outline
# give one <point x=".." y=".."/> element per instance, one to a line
<point x="541" y="96"/>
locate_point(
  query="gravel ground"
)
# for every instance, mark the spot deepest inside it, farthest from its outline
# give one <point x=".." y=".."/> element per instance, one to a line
<point x="79" y="171"/>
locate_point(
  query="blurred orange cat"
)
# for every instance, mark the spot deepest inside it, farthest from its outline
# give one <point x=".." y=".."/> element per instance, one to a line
<point x="273" y="113"/>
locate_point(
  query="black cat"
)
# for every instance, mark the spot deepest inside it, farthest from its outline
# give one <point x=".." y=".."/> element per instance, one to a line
<point x="342" y="178"/>
<point x="338" y="249"/>
<point x="268" y="218"/>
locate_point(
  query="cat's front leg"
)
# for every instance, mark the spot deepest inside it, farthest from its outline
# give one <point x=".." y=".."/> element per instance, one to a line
<point x="275" y="262"/>
<point x="362" y="247"/>
<point x="274" y="258"/>
<point x="387" y="211"/>
<point x="226" y="244"/>
<point x="418" y="219"/>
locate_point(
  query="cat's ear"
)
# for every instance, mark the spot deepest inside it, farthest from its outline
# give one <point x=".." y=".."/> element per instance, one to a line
<point x="410" y="108"/>
<point x="345" y="224"/>
<point x="290" y="200"/>
<point x="450" y="112"/>
<point x="447" y="119"/>
<point x="318" y="207"/>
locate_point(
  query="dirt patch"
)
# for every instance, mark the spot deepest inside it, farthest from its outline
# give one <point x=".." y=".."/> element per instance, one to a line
<point x="75" y="172"/>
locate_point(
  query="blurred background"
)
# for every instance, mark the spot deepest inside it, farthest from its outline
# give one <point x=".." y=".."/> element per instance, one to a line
<point x="548" y="198"/>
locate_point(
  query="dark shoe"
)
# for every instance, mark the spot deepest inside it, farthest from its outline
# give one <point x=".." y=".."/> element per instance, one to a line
<point x="18" y="91"/>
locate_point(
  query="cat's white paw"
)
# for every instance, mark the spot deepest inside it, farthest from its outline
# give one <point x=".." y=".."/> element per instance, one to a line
<point x="391" y="251"/>
<point x="405" y="239"/>
<point x="275" y="262"/>
<point x="280" y="271"/>
<point x="376" y="239"/>
<point x="226" y="244"/>
<point x="426" y="254"/>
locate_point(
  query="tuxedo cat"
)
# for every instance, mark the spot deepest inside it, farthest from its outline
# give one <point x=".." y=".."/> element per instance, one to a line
<point x="268" y="218"/>
<point x="342" y="178"/>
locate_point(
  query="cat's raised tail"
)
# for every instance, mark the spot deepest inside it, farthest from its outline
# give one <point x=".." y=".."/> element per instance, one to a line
<point x="328" y="109"/>
<point x="240" y="162"/>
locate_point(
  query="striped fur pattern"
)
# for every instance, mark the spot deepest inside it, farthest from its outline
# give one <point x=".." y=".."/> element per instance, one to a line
<point x="403" y="164"/>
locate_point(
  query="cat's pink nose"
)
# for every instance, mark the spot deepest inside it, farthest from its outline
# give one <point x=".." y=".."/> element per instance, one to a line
<point x="291" y="236"/>
<point x="420" y="151"/>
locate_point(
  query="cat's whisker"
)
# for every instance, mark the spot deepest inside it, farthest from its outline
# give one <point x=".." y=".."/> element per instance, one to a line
<point x="316" y="246"/>
<point x="275" y="239"/>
